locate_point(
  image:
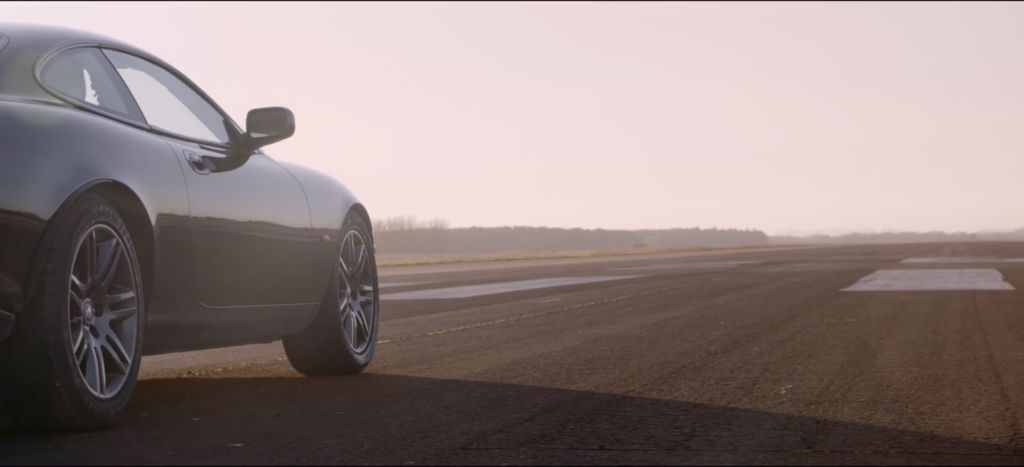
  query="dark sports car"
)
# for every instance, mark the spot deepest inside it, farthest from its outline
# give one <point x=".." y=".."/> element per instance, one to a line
<point x="137" y="218"/>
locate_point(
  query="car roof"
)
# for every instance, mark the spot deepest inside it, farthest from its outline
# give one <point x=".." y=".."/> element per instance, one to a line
<point x="48" y="36"/>
<point x="27" y="42"/>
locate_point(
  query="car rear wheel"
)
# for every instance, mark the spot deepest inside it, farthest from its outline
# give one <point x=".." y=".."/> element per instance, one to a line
<point x="343" y="336"/>
<point x="73" y="359"/>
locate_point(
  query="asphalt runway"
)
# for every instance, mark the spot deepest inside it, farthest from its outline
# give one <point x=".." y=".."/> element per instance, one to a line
<point x="758" y="358"/>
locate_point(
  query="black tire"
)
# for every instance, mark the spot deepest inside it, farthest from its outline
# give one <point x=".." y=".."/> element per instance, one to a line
<point x="325" y="347"/>
<point x="42" y="384"/>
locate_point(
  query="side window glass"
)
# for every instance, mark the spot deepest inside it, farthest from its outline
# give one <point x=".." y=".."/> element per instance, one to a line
<point x="167" y="102"/>
<point x="85" y="76"/>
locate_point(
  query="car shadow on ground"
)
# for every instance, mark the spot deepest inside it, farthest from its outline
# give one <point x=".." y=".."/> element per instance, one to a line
<point x="387" y="419"/>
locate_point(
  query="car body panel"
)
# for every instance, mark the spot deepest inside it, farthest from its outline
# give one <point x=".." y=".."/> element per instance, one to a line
<point x="330" y="202"/>
<point x="250" y="220"/>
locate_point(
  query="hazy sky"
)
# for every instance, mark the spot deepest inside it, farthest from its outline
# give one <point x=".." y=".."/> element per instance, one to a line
<point x="788" y="117"/>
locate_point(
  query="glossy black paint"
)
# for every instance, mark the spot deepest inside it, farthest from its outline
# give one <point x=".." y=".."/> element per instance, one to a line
<point x="268" y="126"/>
<point x="228" y="240"/>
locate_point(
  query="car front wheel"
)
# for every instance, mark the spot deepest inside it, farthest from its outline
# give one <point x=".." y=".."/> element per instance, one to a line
<point x="343" y="336"/>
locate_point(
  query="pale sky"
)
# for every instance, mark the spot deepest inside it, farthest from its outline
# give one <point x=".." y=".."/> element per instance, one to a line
<point x="787" y="117"/>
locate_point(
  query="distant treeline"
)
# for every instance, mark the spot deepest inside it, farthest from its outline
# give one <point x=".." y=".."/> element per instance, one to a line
<point x="407" y="236"/>
<point x="904" y="237"/>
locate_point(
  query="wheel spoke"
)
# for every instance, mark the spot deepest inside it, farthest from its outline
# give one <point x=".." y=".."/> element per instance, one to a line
<point x="93" y="368"/>
<point x="90" y="256"/>
<point x="344" y="269"/>
<point x="110" y="342"/>
<point x="121" y="368"/>
<point x="364" y="300"/>
<point x="361" y="322"/>
<point x="83" y="351"/>
<point x="350" y="328"/>
<point x="80" y="344"/>
<point x="111" y="299"/>
<point x="77" y="341"/>
<point x="75" y="298"/>
<point x="357" y="254"/>
<point x="351" y="240"/>
<point x="78" y="285"/>
<point x="124" y="361"/>
<point x="98" y="350"/>
<point x="345" y="311"/>
<point x="360" y="262"/>
<point x="122" y="314"/>
<point x="109" y="266"/>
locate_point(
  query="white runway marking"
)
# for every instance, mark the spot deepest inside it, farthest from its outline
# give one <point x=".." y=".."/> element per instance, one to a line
<point x="930" y="279"/>
<point x="500" y="287"/>
<point x="963" y="260"/>
<point x="724" y="264"/>
<point x="399" y="284"/>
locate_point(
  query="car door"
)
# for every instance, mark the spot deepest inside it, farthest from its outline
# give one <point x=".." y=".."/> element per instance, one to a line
<point x="250" y="219"/>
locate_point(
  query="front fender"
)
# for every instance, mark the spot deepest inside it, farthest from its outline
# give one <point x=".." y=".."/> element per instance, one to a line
<point x="329" y="202"/>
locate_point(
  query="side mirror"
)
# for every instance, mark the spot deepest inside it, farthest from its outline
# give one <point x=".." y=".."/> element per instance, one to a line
<point x="268" y="125"/>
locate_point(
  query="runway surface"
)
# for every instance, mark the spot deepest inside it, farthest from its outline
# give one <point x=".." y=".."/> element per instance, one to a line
<point x="754" y="356"/>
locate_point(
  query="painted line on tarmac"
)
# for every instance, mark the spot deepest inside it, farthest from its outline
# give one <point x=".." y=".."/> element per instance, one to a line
<point x="723" y="264"/>
<point x="963" y="260"/>
<point x="543" y="313"/>
<point x="891" y="280"/>
<point x="477" y="290"/>
<point x="400" y="284"/>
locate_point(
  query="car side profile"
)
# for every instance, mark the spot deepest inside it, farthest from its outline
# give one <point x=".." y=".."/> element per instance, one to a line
<point x="137" y="218"/>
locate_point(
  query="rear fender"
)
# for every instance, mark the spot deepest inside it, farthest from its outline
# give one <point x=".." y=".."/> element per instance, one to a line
<point x="50" y="156"/>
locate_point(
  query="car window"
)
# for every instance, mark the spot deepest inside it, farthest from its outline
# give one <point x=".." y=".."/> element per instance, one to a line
<point x="85" y="76"/>
<point x="168" y="103"/>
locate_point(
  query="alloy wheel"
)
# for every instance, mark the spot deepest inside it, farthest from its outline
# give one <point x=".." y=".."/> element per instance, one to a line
<point x="356" y="288"/>
<point x="103" y="311"/>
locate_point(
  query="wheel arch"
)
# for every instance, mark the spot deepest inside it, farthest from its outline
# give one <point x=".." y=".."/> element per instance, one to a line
<point x="136" y="218"/>
<point x="360" y="210"/>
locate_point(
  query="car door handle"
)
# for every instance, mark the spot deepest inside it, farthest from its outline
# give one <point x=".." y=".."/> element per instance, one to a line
<point x="197" y="163"/>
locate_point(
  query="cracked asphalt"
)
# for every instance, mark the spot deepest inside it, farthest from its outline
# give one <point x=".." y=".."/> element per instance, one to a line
<point x="755" y="363"/>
